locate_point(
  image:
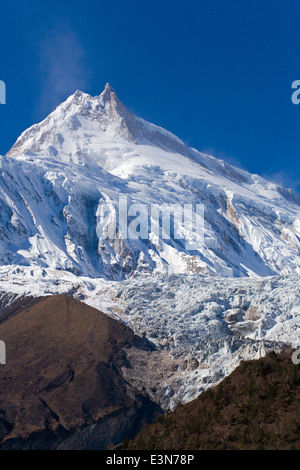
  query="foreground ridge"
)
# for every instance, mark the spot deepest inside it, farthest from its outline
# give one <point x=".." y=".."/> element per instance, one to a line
<point x="256" y="407"/>
<point x="62" y="385"/>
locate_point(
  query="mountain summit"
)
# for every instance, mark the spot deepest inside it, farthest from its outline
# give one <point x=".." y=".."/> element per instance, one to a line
<point x="92" y="150"/>
<point x="109" y="94"/>
<point x="73" y="132"/>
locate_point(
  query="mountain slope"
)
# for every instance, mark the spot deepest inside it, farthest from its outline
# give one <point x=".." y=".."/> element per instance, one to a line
<point x="62" y="384"/>
<point x="92" y="150"/>
<point x="256" y="407"/>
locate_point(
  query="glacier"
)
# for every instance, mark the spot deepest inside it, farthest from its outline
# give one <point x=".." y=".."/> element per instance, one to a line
<point x="202" y="326"/>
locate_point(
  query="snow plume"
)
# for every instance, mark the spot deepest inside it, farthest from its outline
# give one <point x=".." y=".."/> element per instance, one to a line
<point x="62" y="67"/>
<point x="284" y="179"/>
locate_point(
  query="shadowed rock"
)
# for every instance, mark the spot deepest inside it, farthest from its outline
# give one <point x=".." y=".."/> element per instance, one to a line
<point x="62" y="385"/>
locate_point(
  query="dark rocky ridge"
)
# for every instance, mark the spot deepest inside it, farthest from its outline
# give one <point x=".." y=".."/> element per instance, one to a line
<point x="62" y="386"/>
<point x="11" y="304"/>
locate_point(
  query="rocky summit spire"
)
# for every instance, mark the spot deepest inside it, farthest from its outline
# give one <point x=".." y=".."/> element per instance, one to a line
<point x="108" y="94"/>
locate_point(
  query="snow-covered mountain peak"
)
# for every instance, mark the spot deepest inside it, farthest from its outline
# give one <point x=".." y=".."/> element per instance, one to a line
<point x="92" y="150"/>
<point x="78" y="130"/>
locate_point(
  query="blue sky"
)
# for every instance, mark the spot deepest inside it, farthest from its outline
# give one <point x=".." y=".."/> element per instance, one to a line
<point x="216" y="73"/>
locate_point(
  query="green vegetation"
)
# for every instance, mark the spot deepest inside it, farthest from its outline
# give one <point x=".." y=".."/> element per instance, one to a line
<point x="256" y="407"/>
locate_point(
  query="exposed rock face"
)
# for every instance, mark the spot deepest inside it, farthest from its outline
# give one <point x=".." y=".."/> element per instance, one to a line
<point x="62" y="385"/>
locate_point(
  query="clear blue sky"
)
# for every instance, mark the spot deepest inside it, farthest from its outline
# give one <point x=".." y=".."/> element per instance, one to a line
<point x="216" y="73"/>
